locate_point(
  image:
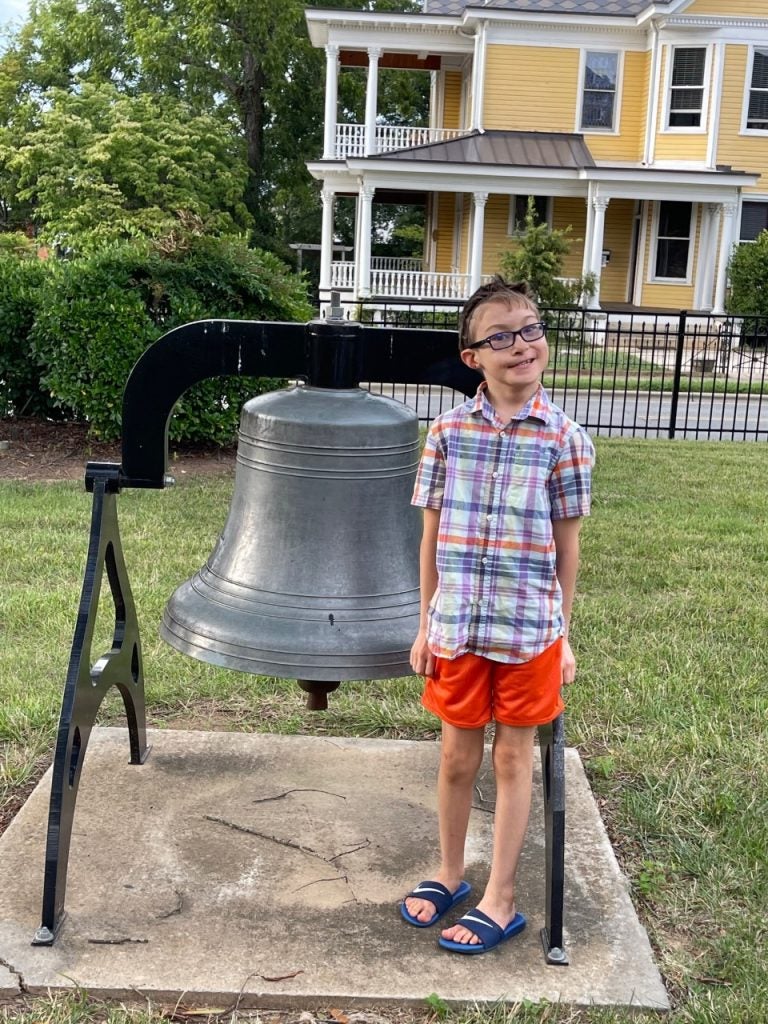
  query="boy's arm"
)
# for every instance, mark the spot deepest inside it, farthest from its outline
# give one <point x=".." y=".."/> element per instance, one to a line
<point x="422" y="659"/>
<point x="566" y="535"/>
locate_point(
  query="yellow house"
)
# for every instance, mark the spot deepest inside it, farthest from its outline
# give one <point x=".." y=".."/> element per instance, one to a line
<point x="641" y="123"/>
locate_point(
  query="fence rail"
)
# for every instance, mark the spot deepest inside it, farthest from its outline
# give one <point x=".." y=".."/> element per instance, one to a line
<point x="685" y="376"/>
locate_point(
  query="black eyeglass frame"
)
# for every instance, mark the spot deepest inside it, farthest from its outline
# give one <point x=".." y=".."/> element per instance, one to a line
<point x="513" y="335"/>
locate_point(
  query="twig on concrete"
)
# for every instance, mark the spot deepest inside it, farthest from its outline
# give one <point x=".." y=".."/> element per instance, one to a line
<point x="122" y="941"/>
<point x="281" y="796"/>
<point x="354" y="849"/>
<point x="265" y="835"/>
<point x="339" y="878"/>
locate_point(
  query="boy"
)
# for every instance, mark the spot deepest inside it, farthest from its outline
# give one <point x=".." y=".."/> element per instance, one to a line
<point x="504" y="482"/>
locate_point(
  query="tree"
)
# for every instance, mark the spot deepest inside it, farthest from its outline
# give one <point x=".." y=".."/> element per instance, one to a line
<point x="538" y="260"/>
<point x="99" y="165"/>
<point x="249" y="64"/>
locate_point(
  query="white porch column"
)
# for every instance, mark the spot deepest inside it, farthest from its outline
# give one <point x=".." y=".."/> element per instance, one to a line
<point x="726" y="245"/>
<point x="705" y="274"/>
<point x="326" y="238"/>
<point x="363" y="267"/>
<point x="478" y="230"/>
<point x="599" y="206"/>
<point x="586" y="261"/>
<point x="331" y="100"/>
<point x="372" y="100"/>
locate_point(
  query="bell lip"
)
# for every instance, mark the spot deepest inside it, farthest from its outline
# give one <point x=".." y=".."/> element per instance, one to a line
<point x="330" y="671"/>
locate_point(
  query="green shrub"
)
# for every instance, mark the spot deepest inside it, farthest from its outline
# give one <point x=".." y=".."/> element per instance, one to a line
<point x="98" y="313"/>
<point x="21" y="393"/>
<point x="748" y="271"/>
<point x="538" y="259"/>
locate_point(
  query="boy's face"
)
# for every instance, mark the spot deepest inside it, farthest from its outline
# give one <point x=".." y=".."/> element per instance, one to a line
<point x="521" y="365"/>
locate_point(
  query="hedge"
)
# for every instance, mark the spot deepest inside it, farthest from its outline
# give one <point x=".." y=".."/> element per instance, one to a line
<point x="89" y="319"/>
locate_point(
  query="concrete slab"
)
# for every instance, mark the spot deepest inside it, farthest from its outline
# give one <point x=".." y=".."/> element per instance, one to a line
<point x="271" y="867"/>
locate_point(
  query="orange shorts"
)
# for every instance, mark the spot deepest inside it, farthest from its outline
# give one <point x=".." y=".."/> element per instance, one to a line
<point x="470" y="691"/>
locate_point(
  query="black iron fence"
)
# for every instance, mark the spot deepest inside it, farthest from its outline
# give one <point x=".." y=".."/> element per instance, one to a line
<point x="630" y="374"/>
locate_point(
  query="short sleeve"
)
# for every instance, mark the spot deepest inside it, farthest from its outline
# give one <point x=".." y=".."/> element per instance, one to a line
<point x="570" y="484"/>
<point x="430" y="477"/>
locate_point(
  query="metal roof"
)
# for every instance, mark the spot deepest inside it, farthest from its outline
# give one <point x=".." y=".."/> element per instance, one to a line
<point x="617" y="8"/>
<point x="506" y="149"/>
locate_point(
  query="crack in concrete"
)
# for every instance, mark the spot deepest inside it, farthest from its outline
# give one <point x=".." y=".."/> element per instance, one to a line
<point x="17" y="975"/>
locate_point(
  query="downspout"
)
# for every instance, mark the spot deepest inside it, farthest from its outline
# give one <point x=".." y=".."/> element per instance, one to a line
<point x="653" y="107"/>
<point x="716" y="101"/>
<point x="478" y="79"/>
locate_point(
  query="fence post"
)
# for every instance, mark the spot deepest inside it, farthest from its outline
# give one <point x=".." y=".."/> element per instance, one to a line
<point x="681" y="325"/>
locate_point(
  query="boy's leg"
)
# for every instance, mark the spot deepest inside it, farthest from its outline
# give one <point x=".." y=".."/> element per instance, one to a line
<point x="513" y="768"/>
<point x="460" y="757"/>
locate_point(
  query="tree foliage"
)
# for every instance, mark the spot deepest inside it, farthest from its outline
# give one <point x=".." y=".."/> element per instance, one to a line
<point x="538" y="259"/>
<point x="71" y="330"/>
<point x="748" y="272"/>
<point x="99" y="165"/>
<point x="249" y="65"/>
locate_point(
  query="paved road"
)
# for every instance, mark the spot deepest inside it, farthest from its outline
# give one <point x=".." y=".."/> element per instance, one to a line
<point x="615" y="414"/>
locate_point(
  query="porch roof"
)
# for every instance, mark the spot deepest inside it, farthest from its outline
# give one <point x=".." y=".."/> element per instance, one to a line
<point x="503" y="148"/>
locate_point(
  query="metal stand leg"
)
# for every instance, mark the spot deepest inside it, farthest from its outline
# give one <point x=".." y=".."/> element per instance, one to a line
<point x="86" y="686"/>
<point x="552" y="743"/>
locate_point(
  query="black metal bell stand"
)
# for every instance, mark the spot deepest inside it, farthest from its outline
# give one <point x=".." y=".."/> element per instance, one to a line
<point x="332" y="354"/>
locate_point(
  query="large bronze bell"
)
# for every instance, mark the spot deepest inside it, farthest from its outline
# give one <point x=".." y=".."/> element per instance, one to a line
<point x="315" y="576"/>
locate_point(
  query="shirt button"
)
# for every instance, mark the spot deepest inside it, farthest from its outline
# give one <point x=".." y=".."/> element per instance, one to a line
<point x="494" y="475"/>
<point x="485" y="560"/>
<point x="502" y="433"/>
<point x="490" y="518"/>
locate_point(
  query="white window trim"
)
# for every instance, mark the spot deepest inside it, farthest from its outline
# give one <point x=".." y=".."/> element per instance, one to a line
<point x="511" y="232"/>
<point x="749" y="197"/>
<point x="702" y="128"/>
<point x="759" y="132"/>
<point x="652" y="276"/>
<point x="617" y="96"/>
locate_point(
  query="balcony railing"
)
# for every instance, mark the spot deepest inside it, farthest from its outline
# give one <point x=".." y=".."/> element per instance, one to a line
<point x="350" y="138"/>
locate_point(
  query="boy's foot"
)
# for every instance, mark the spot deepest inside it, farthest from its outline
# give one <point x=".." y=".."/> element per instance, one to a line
<point x="427" y="903"/>
<point x="476" y="932"/>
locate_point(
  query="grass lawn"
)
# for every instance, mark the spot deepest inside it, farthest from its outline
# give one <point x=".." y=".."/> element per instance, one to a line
<point x="669" y="711"/>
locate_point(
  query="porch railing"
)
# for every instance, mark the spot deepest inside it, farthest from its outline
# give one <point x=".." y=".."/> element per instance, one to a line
<point x="407" y="284"/>
<point x="350" y="138"/>
<point x="342" y="275"/>
<point x="397" y="281"/>
<point x="396" y="263"/>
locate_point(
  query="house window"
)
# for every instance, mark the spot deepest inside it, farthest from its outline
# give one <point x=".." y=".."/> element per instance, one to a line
<point x="673" y="240"/>
<point x="757" y="111"/>
<point x="518" y="210"/>
<point x="598" y="99"/>
<point x="754" y="220"/>
<point x="686" y="91"/>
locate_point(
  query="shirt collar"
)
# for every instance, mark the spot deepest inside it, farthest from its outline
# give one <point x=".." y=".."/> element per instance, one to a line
<point x="538" y="406"/>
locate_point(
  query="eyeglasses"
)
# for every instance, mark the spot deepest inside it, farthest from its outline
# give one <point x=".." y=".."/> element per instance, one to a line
<point x="506" y="339"/>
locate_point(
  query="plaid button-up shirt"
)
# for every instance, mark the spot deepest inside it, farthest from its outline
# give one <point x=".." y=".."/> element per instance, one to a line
<point x="498" y="487"/>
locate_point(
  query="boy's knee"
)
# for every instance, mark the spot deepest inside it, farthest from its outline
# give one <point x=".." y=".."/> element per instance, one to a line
<point x="460" y="764"/>
<point x="512" y="760"/>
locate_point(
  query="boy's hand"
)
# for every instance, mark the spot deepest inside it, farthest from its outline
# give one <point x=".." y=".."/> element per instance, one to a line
<point x="422" y="659"/>
<point x="569" y="663"/>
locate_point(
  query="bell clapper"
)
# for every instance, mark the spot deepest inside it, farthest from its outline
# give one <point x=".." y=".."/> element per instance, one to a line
<point x="317" y="693"/>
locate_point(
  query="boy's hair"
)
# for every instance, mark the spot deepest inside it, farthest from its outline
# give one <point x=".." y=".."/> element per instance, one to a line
<point x="496" y="290"/>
